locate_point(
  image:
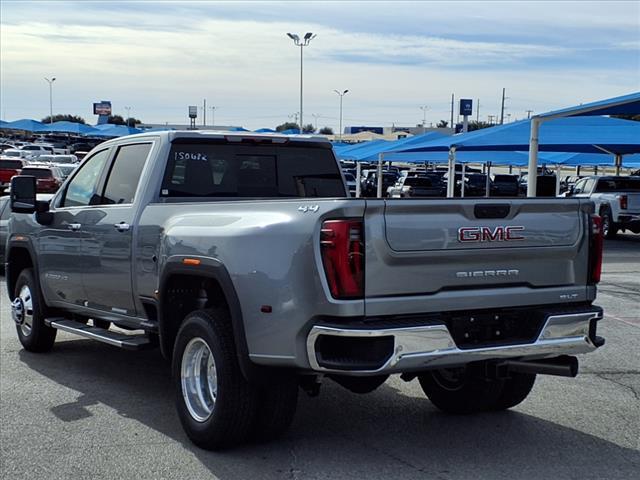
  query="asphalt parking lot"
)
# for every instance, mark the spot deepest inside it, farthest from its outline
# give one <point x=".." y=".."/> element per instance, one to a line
<point x="87" y="410"/>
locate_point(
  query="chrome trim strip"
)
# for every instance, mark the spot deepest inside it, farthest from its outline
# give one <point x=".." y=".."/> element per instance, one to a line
<point x="432" y="346"/>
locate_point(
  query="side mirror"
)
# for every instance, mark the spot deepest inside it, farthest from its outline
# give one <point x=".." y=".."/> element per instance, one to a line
<point x="23" y="194"/>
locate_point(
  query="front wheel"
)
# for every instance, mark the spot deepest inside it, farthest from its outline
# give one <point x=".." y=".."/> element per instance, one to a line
<point x="28" y="311"/>
<point x="215" y="403"/>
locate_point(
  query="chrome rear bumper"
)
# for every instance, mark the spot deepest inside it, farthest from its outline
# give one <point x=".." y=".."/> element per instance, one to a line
<point x="432" y="346"/>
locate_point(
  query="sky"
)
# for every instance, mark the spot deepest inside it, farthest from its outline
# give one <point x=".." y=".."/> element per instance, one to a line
<point x="394" y="57"/>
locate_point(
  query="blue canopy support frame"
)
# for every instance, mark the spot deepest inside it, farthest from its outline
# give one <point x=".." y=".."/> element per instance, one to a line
<point x="626" y="104"/>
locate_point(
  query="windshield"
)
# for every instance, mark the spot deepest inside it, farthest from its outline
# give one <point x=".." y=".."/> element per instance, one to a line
<point x="37" y="172"/>
<point x="11" y="164"/>
<point x="618" y="185"/>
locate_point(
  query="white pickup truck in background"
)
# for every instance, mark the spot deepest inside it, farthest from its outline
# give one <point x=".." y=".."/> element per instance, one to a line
<point x="617" y="201"/>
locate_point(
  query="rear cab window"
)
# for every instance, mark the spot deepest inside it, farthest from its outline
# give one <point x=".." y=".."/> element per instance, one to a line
<point x="223" y="170"/>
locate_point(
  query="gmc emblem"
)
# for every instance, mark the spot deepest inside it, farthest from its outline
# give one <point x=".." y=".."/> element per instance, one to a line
<point x="488" y="234"/>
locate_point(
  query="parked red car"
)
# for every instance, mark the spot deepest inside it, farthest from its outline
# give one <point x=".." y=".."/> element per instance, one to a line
<point x="48" y="179"/>
<point x="8" y="168"/>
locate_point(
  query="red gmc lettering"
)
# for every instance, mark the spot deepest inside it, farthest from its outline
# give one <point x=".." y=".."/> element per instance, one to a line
<point x="468" y="234"/>
<point x="513" y="236"/>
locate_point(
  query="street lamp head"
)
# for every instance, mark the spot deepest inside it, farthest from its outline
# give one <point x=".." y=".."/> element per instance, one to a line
<point x="294" y="37"/>
<point x="345" y="92"/>
<point x="53" y="79"/>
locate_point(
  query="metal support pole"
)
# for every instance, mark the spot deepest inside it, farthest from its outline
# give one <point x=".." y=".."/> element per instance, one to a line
<point x="464" y="167"/>
<point x="532" y="183"/>
<point x="301" y="47"/>
<point x="340" y="133"/>
<point x="358" y="179"/>
<point x="204" y="112"/>
<point x="487" y="181"/>
<point x="618" y="163"/>
<point x="451" y="181"/>
<point x="380" y="162"/>
<point x="558" y="172"/>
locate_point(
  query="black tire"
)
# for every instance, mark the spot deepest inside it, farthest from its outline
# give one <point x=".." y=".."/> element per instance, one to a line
<point x="609" y="229"/>
<point x="515" y="390"/>
<point x="231" y="419"/>
<point x="461" y="390"/>
<point x="276" y="408"/>
<point x="39" y="337"/>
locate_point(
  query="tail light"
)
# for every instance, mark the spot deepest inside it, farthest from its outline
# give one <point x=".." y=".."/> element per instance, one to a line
<point x="342" y="248"/>
<point x="595" y="249"/>
<point x="624" y="202"/>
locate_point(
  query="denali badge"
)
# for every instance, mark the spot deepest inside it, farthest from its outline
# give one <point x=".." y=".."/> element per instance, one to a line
<point x="488" y="234"/>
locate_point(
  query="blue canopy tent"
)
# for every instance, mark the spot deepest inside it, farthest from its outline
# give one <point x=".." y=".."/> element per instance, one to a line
<point x="24" y="124"/>
<point x="265" y="130"/>
<point x="115" y="131"/>
<point x="67" y="127"/>
<point x="370" y="151"/>
<point x="238" y="129"/>
<point x="291" y="131"/>
<point x="626" y="104"/>
<point x="343" y="150"/>
<point x="577" y="135"/>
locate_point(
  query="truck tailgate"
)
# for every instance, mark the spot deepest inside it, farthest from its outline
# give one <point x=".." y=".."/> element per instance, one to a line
<point x="462" y="247"/>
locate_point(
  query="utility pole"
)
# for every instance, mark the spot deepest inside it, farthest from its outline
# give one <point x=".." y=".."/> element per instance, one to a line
<point x="452" y="100"/>
<point x="478" y="111"/>
<point x="502" y="109"/>
<point x="491" y="117"/>
<point x="315" y="120"/>
<point x="529" y="112"/>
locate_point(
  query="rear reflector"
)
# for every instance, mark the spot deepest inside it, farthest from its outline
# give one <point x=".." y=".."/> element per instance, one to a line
<point x="624" y="202"/>
<point x="342" y="247"/>
<point x="595" y="249"/>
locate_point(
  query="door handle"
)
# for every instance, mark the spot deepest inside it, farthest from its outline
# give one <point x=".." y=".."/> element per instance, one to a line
<point x="122" y="227"/>
<point x="74" y="226"/>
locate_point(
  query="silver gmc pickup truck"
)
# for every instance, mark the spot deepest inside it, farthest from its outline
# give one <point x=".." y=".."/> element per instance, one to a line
<point x="245" y="260"/>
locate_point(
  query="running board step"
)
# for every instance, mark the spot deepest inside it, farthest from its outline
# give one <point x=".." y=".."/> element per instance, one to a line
<point x="117" y="339"/>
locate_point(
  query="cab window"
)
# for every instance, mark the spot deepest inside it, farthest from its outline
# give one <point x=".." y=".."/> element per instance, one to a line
<point x="125" y="173"/>
<point x="82" y="188"/>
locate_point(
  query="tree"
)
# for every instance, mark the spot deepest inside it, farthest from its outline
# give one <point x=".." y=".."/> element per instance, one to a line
<point x="287" y="126"/>
<point x="326" y="131"/>
<point x="116" y="120"/>
<point x="132" y="122"/>
<point x="309" y="128"/>
<point x="442" y="124"/>
<point x="473" y="125"/>
<point x="64" y="118"/>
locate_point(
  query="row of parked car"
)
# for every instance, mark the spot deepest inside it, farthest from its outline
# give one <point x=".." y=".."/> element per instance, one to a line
<point x="420" y="182"/>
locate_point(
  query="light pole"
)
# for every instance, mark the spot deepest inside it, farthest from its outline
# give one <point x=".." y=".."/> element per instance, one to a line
<point x="128" y="109"/>
<point x="424" y="109"/>
<point x="341" y="94"/>
<point x="213" y="116"/>
<point x="50" y="82"/>
<point x="301" y="43"/>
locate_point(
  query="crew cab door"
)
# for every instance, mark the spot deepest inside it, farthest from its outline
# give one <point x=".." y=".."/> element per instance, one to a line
<point x="108" y="227"/>
<point x="60" y="258"/>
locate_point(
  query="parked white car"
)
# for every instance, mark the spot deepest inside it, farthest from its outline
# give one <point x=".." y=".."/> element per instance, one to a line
<point x="16" y="153"/>
<point x="34" y="151"/>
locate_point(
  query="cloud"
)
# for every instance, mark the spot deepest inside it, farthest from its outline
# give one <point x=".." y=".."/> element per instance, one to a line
<point x="161" y="57"/>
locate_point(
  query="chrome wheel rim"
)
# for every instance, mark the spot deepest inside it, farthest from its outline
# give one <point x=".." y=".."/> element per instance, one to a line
<point x="199" y="379"/>
<point x="25" y="298"/>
